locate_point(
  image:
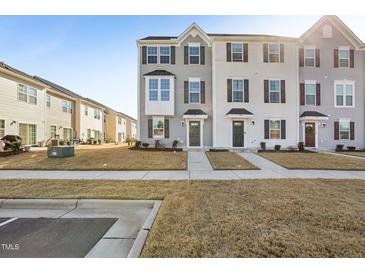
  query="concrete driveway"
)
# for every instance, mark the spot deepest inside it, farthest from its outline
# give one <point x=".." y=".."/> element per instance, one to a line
<point x="74" y="228"/>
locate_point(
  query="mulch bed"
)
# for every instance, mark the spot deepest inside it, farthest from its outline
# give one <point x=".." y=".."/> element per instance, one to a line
<point x="9" y="153"/>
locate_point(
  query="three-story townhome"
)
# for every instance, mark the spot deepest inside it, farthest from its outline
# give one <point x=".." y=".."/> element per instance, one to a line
<point x="175" y="89"/>
<point x="254" y="91"/>
<point x="331" y="80"/>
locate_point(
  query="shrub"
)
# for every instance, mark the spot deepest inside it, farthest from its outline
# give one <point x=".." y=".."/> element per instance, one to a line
<point x="301" y="146"/>
<point x="263" y="145"/>
<point x="277" y="147"/>
<point x="99" y="142"/>
<point x="138" y="144"/>
<point x="339" y="147"/>
<point x="351" y="148"/>
<point x="61" y="142"/>
<point x="174" y="143"/>
<point x="68" y="143"/>
<point x="15" y="146"/>
<point x="145" y="145"/>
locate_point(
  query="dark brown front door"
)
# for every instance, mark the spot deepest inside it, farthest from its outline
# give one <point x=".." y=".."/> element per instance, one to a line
<point x="238" y="131"/>
<point x="310" y="135"/>
<point x="194" y="133"/>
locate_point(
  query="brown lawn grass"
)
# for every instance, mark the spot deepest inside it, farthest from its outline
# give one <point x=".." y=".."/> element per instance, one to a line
<point x="249" y="218"/>
<point x="107" y="158"/>
<point x="302" y="160"/>
<point x="354" y="153"/>
<point x="228" y="160"/>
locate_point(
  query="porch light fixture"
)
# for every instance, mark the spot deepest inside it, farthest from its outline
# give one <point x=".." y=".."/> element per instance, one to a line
<point x="59" y="127"/>
<point x="253" y="123"/>
<point x="12" y="122"/>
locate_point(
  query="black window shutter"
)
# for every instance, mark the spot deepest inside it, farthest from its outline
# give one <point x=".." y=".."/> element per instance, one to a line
<point x="318" y="58"/>
<point x="167" y="128"/>
<point x="229" y="90"/>
<point x="301" y="57"/>
<point x="267" y="133"/>
<point x="186" y="55"/>
<point x="266" y="91"/>
<point x="228" y="46"/>
<point x="202" y="92"/>
<point x="245" y="52"/>
<point x="352" y="60"/>
<point x="283" y="129"/>
<point x="186" y="92"/>
<point x="202" y="55"/>
<point x="281" y="53"/>
<point x="173" y="50"/>
<point x="149" y="128"/>
<point x="246" y="91"/>
<point x="265" y="52"/>
<point x="318" y="94"/>
<point x="302" y="94"/>
<point x="352" y="130"/>
<point x="337" y="130"/>
<point x="144" y="55"/>
<point x="335" y="58"/>
<point x="282" y="91"/>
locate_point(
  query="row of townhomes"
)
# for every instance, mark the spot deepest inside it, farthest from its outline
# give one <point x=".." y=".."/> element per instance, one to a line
<point x="38" y="110"/>
<point x="238" y="90"/>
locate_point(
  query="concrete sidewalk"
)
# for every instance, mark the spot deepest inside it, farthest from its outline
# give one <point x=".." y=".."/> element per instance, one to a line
<point x="199" y="168"/>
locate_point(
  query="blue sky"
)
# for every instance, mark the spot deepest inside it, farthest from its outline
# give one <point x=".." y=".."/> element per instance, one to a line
<point x="96" y="56"/>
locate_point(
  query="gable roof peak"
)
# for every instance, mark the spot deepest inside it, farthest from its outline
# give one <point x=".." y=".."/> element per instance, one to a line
<point x="194" y="29"/>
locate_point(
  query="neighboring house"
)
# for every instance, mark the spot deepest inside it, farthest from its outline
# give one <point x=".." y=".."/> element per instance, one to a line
<point x="39" y="110"/>
<point x="22" y="102"/>
<point x="331" y="79"/>
<point x="235" y="91"/>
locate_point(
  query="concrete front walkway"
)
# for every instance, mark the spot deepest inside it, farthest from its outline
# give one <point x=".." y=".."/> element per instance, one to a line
<point x="199" y="168"/>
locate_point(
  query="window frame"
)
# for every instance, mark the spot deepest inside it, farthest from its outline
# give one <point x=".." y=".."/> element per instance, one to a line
<point x="158" y="118"/>
<point x="340" y="121"/>
<point x="268" y="52"/>
<point x="119" y="121"/>
<point x="348" y="56"/>
<point x="155" y="89"/>
<point x="314" y="56"/>
<point x="66" y="106"/>
<point x="97" y="114"/>
<point x="194" y="55"/>
<point x="242" y="52"/>
<point x="271" y="91"/>
<point x="86" y="110"/>
<point x="2" y="128"/>
<point x="70" y="131"/>
<point x="162" y="99"/>
<point x="32" y="96"/>
<point x="48" y="101"/>
<point x="344" y="83"/>
<point x="196" y="80"/>
<point x="24" y="93"/>
<point x="161" y="55"/>
<point x="315" y="92"/>
<point x="55" y="131"/>
<point x="270" y="129"/>
<point x="243" y="90"/>
<point x="148" y="55"/>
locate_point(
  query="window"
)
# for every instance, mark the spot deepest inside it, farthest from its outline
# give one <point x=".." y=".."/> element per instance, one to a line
<point x="22" y="93"/>
<point x="88" y="133"/>
<point x="2" y="128"/>
<point x="28" y="133"/>
<point x="194" y="54"/>
<point x="119" y="121"/>
<point x="344" y="129"/>
<point x="97" y="135"/>
<point x="310" y="94"/>
<point x="274" y="129"/>
<point x="97" y="114"/>
<point x="152" y="55"/>
<point x="158" y="127"/>
<point x="274" y="53"/>
<point x="86" y="111"/>
<point x="48" y="101"/>
<point x="153" y="89"/>
<point x="164" y="55"/>
<point x="344" y="57"/>
<point x="237" y="90"/>
<point x="274" y="91"/>
<point x="67" y="106"/>
<point x="344" y="94"/>
<point x="194" y="91"/>
<point x="32" y="95"/>
<point x="53" y="131"/>
<point x="67" y="134"/>
<point x="237" y="51"/>
<point x="165" y="89"/>
<point x="309" y="56"/>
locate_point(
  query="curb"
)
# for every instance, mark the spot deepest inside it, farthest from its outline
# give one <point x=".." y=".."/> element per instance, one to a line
<point x="138" y="244"/>
<point x="89" y="203"/>
<point x="38" y="203"/>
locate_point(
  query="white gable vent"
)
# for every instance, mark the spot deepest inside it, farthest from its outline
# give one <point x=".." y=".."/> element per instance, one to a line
<point x="327" y="31"/>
